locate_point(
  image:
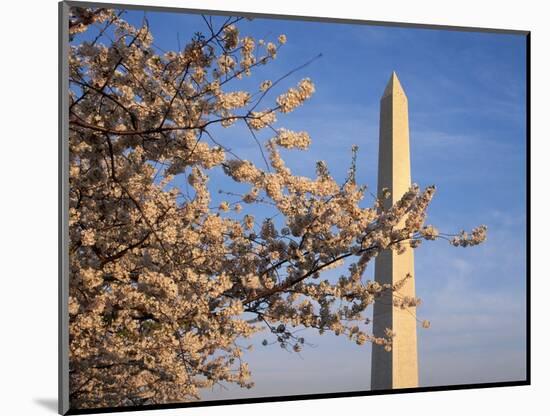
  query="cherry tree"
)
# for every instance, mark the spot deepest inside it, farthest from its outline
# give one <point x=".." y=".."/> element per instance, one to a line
<point x="165" y="285"/>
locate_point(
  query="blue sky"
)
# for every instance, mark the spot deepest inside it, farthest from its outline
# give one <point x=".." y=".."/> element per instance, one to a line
<point x="466" y="94"/>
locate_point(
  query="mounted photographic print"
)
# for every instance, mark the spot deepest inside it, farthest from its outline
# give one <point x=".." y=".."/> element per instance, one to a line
<point x="258" y="208"/>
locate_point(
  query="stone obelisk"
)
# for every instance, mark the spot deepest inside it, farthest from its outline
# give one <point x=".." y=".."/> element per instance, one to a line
<point x="397" y="368"/>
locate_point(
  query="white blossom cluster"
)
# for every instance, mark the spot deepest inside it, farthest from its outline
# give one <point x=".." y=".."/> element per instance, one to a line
<point x="292" y="139"/>
<point x="163" y="280"/>
<point x="295" y="97"/>
<point x="477" y="236"/>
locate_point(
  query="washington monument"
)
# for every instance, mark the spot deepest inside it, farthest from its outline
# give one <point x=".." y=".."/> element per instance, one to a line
<point x="398" y="368"/>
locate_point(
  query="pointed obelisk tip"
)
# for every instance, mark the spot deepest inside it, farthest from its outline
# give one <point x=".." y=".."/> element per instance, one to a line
<point x="394" y="86"/>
